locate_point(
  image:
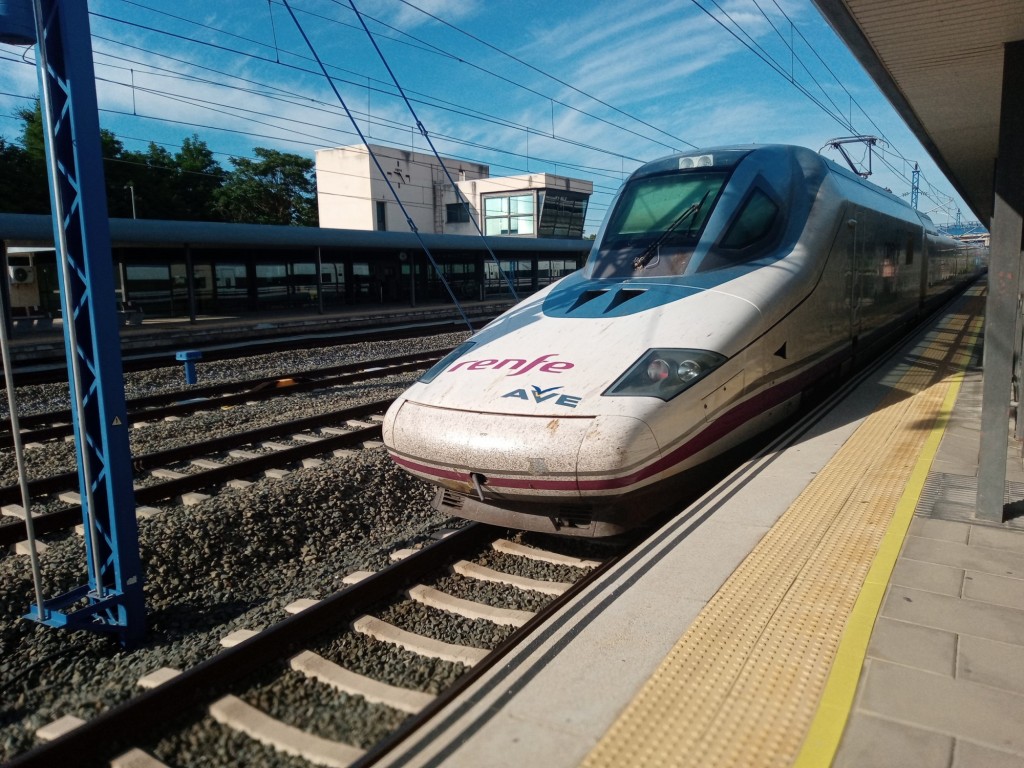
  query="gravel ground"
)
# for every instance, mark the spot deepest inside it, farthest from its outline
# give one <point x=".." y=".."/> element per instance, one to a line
<point x="231" y="562"/>
<point x="235" y="561"/>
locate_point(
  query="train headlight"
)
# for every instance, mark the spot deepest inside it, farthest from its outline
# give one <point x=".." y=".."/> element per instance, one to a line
<point x="664" y="373"/>
<point x="657" y="370"/>
<point x="689" y="370"/>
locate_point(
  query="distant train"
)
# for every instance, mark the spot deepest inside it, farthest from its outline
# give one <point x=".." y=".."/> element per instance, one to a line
<point x="722" y="285"/>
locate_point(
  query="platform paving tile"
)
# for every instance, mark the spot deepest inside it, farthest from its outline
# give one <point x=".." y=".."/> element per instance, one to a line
<point x="962" y="709"/>
<point x="968" y="755"/>
<point x="989" y="662"/>
<point x="952" y="614"/>
<point x="997" y="538"/>
<point x="897" y="641"/>
<point x="968" y="557"/>
<point x="943" y="530"/>
<point x="929" y="577"/>
<point x="958" y="454"/>
<point x="880" y="743"/>
<point x="999" y="590"/>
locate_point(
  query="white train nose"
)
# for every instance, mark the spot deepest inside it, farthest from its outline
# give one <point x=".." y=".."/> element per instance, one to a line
<point x="520" y="457"/>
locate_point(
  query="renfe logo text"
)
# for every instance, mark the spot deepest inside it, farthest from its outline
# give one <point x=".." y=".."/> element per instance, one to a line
<point x="515" y="366"/>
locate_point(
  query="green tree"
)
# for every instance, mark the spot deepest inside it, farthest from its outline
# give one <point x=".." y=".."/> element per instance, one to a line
<point x="165" y="186"/>
<point x="275" y="188"/>
<point x="15" y="167"/>
<point x="32" y="177"/>
<point x="147" y="179"/>
<point x="26" y="189"/>
<point x="200" y="176"/>
<point x="32" y="131"/>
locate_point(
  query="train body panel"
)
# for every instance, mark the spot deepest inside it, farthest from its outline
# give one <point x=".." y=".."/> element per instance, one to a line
<point x="723" y="284"/>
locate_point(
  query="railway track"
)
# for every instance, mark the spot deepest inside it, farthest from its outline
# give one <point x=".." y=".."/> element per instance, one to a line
<point x="53" y="369"/>
<point x="341" y="682"/>
<point x="211" y="464"/>
<point x="54" y="425"/>
<point x="351" y="517"/>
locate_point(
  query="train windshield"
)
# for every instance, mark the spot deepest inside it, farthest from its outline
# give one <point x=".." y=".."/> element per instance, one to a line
<point x="656" y="224"/>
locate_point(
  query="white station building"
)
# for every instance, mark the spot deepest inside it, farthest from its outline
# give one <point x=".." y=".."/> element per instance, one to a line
<point x="352" y="194"/>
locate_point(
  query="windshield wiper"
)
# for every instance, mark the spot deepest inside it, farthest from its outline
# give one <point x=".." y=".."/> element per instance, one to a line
<point x="644" y="258"/>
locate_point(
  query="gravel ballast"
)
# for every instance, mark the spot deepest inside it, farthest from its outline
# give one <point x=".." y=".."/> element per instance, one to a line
<point x="234" y="561"/>
<point x="231" y="562"/>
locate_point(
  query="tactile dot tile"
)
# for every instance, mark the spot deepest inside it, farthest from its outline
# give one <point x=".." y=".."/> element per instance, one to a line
<point x="741" y="686"/>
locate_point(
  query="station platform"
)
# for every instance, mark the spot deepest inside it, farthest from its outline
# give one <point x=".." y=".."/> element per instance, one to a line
<point x="832" y="602"/>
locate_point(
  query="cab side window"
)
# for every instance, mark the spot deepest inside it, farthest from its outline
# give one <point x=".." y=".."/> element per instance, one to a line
<point x="752" y="223"/>
<point x="753" y="230"/>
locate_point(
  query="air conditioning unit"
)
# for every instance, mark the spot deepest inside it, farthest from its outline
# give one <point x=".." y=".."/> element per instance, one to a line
<point x="21" y="275"/>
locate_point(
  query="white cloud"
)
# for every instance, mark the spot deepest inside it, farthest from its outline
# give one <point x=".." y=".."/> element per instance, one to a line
<point x="409" y="16"/>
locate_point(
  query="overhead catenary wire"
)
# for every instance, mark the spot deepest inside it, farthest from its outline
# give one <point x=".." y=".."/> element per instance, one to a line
<point x="608" y="173"/>
<point x="769" y="61"/>
<point x="431" y="48"/>
<point x="546" y="74"/>
<point x="236" y="51"/>
<point x="408" y="218"/>
<point x="273" y="54"/>
<point x="459" y="197"/>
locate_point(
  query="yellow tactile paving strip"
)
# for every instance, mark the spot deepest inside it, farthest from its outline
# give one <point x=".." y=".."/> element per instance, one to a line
<point x="743" y="684"/>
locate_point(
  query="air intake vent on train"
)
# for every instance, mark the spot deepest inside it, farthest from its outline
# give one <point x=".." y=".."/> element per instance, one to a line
<point x="448" y="500"/>
<point x="623" y="296"/>
<point x="586" y="297"/>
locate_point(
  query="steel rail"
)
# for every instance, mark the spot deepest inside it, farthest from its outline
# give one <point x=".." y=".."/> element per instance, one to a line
<point x="415" y="723"/>
<point x="118" y="729"/>
<point x="188" y="401"/>
<point x="14" y="532"/>
<point x="28" y="372"/>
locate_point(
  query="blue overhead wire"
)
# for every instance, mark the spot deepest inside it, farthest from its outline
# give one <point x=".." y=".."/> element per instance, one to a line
<point x="380" y="169"/>
<point x="423" y="132"/>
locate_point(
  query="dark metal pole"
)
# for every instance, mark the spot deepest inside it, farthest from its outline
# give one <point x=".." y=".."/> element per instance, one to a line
<point x="190" y="283"/>
<point x="319" y="281"/>
<point x="1003" y="289"/>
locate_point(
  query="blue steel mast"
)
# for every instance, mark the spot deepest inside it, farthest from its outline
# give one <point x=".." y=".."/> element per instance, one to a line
<point x="112" y="600"/>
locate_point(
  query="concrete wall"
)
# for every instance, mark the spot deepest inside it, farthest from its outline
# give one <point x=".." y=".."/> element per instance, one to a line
<point x="349" y="186"/>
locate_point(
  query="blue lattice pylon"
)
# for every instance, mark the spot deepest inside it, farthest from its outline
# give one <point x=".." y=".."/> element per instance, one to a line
<point x="112" y="600"/>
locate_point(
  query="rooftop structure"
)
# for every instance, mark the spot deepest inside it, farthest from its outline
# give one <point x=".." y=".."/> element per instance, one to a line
<point x="352" y="193"/>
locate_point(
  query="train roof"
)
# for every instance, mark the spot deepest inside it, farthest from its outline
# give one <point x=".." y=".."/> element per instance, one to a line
<point x="728" y="156"/>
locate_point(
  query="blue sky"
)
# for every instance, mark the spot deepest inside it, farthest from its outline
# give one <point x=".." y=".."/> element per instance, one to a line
<point x="588" y="89"/>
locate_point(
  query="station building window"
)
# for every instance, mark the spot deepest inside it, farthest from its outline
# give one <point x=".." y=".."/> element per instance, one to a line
<point x="151" y="287"/>
<point x="232" y="286"/>
<point x="550" y="270"/>
<point x="271" y="285"/>
<point x="510" y="214"/>
<point x="457" y="213"/>
<point x="562" y="213"/>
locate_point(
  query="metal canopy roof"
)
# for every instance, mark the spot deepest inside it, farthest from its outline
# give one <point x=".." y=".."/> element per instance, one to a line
<point x="940" y="63"/>
<point x="27" y="228"/>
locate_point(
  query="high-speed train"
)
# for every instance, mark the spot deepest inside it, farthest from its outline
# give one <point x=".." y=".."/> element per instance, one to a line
<point x="722" y="285"/>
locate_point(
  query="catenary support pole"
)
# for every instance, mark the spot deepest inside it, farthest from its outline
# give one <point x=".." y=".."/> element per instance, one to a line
<point x="112" y="600"/>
